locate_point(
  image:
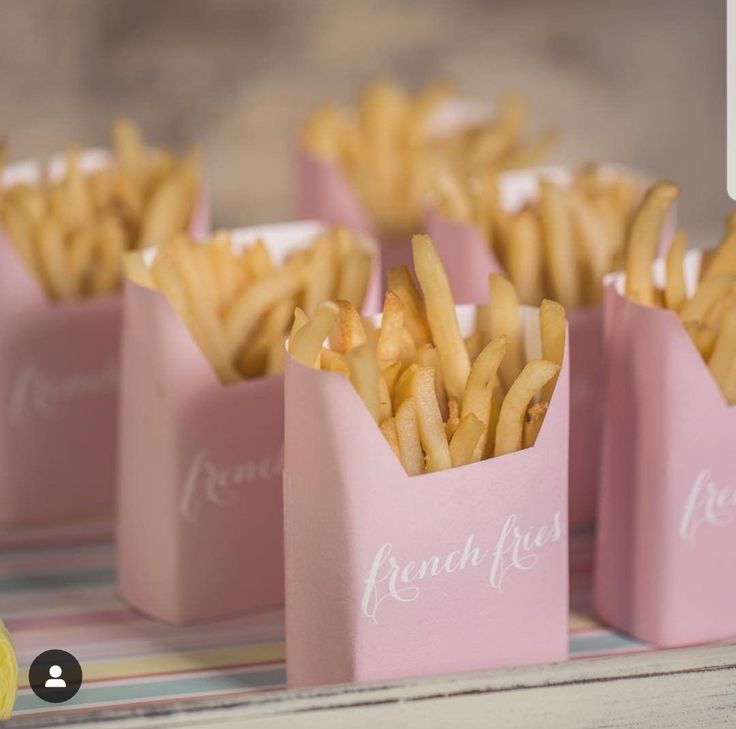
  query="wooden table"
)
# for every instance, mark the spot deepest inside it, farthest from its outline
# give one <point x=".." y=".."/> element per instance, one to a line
<point x="142" y="673"/>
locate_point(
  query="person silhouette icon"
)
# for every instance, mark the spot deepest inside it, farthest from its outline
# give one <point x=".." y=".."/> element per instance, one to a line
<point x="55" y="681"/>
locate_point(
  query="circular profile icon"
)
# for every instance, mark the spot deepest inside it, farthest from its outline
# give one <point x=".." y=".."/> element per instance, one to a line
<point x="55" y="676"/>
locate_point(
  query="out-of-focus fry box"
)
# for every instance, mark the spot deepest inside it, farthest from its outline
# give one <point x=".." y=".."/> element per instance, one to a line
<point x="391" y="576"/>
<point x="667" y="516"/>
<point x="468" y="259"/>
<point x="200" y="503"/>
<point x="325" y="193"/>
<point x="59" y="380"/>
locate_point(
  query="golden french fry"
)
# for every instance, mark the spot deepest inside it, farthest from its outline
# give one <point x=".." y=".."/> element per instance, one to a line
<point x="334" y="362"/>
<point x="533" y="423"/>
<point x="129" y="149"/>
<point x="407" y="429"/>
<point x="524" y="257"/>
<point x="54" y="261"/>
<point x="400" y="281"/>
<point x="593" y="237"/>
<point x="702" y="336"/>
<point x="706" y="295"/>
<point x="354" y="276"/>
<point x="428" y="356"/>
<point x="322" y="275"/>
<point x="724" y="352"/>
<point x="558" y="244"/>
<point x="247" y="310"/>
<point x="453" y="418"/>
<point x="300" y="319"/>
<point x="348" y="331"/>
<point x="402" y="386"/>
<point x="388" y="347"/>
<point x="482" y="382"/>
<point x="254" y="356"/>
<point x="552" y="330"/>
<point x="465" y="443"/>
<point x="276" y="359"/>
<point x="505" y="321"/>
<point x="365" y="377"/>
<point x="441" y="315"/>
<point x="723" y="259"/>
<point x="306" y="344"/>
<point x="388" y="428"/>
<point x="431" y="427"/>
<point x="510" y="429"/>
<point x="674" y="291"/>
<point x="646" y="229"/>
<point x="136" y="270"/>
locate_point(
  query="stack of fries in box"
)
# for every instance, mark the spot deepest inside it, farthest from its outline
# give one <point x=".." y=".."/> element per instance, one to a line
<point x="71" y="232"/>
<point x="391" y="152"/>
<point x="238" y="303"/>
<point x="560" y="245"/>
<point x="440" y="400"/>
<point x="709" y="315"/>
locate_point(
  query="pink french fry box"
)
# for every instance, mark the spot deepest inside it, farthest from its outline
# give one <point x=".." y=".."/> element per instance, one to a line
<point x="200" y="503"/>
<point x="392" y="576"/>
<point x="325" y="193"/>
<point x="59" y="381"/>
<point x="468" y="260"/>
<point x="667" y="515"/>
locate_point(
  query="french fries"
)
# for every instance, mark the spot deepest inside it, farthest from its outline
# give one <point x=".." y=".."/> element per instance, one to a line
<point x="239" y="304"/>
<point x="441" y="408"/>
<point x="393" y="155"/>
<point x="72" y="232"/>
<point x="708" y="314"/>
<point x="559" y="245"/>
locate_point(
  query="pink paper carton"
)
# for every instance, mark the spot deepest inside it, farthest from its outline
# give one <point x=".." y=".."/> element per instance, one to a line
<point x="325" y="193"/>
<point x="667" y="516"/>
<point x="200" y="515"/>
<point x="389" y="576"/>
<point x="468" y="260"/>
<point x="58" y="383"/>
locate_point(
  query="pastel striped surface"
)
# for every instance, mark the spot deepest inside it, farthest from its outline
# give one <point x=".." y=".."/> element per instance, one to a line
<point x="65" y="598"/>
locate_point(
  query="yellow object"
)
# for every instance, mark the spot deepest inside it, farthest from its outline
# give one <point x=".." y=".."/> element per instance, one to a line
<point x="8" y="674"/>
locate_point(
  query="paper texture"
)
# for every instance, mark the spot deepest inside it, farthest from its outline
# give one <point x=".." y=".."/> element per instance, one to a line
<point x="200" y="518"/>
<point x="668" y="501"/>
<point x="468" y="261"/>
<point x="390" y="576"/>
<point x="58" y="382"/>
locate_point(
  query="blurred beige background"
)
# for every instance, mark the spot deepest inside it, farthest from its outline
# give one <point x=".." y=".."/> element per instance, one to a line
<point x="641" y="82"/>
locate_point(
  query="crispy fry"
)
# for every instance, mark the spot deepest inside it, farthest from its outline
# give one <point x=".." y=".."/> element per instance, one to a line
<point x="509" y="433"/>
<point x="674" y="292"/>
<point x="706" y="295"/>
<point x="533" y="423"/>
<point x="524" y="258"/>
<point x="388" y="347"/>
<point x="305" y="346"/>
<point x="407" y="428"/>
<point x="646" y="230"/>
<point x="505" y="322"/>
<point x="388" y="428"/>
<point x="348" y="331"/>
<point x="400" y="281"/>
<point x="557" y="238"/>
<point x="365" y="377"/>
<point x="482" y="382"/>
<point x="724" y="353"/>
<point x="723" y="259"/>
<point x="428" y="356"/>
<point x="441" y="315"/>
<point x="465" y="443"/>
<point x="453" y="418"/>
<point x="431" y="428"/>
<point x="552" y="330"/>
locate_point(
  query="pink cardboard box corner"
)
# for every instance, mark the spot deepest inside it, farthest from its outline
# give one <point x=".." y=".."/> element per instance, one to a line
<point x="389" y="576"/>
<point x="200" y="512"/>
<point x="59" y="381"/>
<point x="468" y="259"/>
<point x="667" y="516"/>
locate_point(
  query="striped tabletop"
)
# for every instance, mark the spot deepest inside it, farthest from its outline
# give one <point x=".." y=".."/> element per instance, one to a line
<point x="65" y="598"/>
